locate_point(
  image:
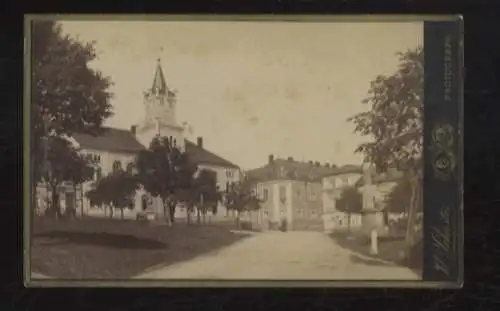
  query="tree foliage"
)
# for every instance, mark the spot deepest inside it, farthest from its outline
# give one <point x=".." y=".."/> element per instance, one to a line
<point x="394" y="120"/>
<point x="398" y="200"/>
<point x="62" y="162"/>
<point x="350" y="201"/>
<point x="166" y="172"/>
<point x="205" y="190"/>
<point x="67" y="95"/>
<point x="394" y="123"/>
<point x="242" y="197"/>
<point x="117" y="189"/>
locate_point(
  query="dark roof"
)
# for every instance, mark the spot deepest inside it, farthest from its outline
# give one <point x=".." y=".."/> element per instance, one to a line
<point x="159" y="82"/>
<point x="390" y="176"/>
<point x="202" y="156"/>
<point x="345" y="169"/>
<point x="112" y="139"/>
<point x="120" y="140"/>
<point x="295" y="170"/>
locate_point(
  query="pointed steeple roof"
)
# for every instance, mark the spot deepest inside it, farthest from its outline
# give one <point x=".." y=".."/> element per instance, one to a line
<point x="159" y="83"/>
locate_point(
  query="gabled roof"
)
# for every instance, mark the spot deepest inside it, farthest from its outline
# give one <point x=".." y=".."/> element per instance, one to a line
<point x="295" y="170"/>
<point x="120" y="140"/>
<point x="202" y="156"/>
<point x="112" y="139"/>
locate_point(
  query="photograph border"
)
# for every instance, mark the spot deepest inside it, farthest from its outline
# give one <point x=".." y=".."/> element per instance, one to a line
<point x="443" y="151"/>
<point x="446" y="183"/>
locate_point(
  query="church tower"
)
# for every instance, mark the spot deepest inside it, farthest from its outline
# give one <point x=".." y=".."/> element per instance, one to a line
<point x="160" y="107"/>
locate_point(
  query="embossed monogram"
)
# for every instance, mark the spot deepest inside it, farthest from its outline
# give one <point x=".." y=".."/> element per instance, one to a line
<point x="443" y="158"/>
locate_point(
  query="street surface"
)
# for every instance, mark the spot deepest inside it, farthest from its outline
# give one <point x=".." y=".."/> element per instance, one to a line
<point x="283" y="256"/>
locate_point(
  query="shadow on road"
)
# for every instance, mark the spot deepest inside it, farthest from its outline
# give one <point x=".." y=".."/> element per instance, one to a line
<point x="100" y="239"/>
<point x="368" y="261"/>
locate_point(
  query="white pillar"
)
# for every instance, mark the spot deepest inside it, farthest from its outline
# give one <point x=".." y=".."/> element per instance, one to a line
<point x="374" y="242"/>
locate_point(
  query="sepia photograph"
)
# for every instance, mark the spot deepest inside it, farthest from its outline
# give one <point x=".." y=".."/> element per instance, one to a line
<point x="207" y="150"/>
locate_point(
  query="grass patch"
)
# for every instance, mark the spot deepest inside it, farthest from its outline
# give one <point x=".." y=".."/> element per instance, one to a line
<point x="391" y="249"/>
<point x="97" y="248"/>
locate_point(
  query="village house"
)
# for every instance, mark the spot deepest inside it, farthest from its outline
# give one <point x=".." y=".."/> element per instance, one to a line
<point x="123" y="145"/>
<point x="291" y="193"/>
<point x="376" y="187"/>
<point x="333" y="184"/>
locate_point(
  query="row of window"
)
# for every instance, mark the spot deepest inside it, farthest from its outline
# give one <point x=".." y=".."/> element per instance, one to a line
<point x="94" y="157"/>
<point x="262" y="192"/>
<point x="339" y="181"/>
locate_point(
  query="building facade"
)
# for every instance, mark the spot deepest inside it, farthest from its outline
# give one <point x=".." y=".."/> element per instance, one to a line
<point x="375" y="189"/>
<point x="333" y="185"/>
<point x="123" y="145"/>
<point x="291" y="193"/>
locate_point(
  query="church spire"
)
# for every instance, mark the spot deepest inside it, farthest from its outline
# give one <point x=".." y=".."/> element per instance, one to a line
<point x="159" y="84"/>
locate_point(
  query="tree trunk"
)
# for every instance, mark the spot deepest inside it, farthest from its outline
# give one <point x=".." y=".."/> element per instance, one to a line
<point x="81" y="199"/>
<point x="74" y="200"/>
<point x="111" y="211"/>
<point x="171" y="210"/>
<point x="164" y="206"/>
<point x="56" y="208"/>
<point x="237" y="219"/>
<point x="411" y="214"/>
<point x="34" y="201"/>
<point x="198" y="215"/>
<point x="189" y="209"/>
<point x="122" y="214"/>
<point x="386" y="217"/>
<point x="348" y="221"/>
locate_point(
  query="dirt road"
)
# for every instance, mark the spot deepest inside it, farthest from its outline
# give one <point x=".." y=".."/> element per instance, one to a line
<point x="283" y="256"/>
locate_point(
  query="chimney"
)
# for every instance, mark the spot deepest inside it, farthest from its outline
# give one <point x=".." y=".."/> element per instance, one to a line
<point x="290" y="159"/>
<point x="133" y="129"/>
<point x="199" y="142"/>
<point x="271" y="159"/>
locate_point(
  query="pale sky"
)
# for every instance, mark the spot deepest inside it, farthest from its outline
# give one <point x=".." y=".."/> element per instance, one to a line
<point x="253" y="88"/>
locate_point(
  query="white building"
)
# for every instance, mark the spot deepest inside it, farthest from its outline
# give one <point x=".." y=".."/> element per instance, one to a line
<point x="333" y="185"/>
<point x="123" y="145"/>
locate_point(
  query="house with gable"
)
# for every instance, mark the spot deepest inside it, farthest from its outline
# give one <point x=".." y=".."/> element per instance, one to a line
<point x="291" y="193"/>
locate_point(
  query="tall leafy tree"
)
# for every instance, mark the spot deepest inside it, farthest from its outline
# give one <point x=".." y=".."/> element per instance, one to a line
<point x="122" y="185"/>
<point x="81" y="170"/>
<point x="350" y="201"/>
<point x="67" y="95"/>
<point x="205" y="192"/>
<point x="117" y="189"/>
<point x="98" y="194"/>
<point x="63" y="163"/>
<point x="241" y="197"/>
<point x="166" y="172"/>
<point x="394" y="123"/>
